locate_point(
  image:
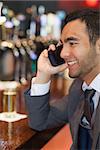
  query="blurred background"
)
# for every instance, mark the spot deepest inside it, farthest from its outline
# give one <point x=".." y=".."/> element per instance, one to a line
<point x="28" y="27"/>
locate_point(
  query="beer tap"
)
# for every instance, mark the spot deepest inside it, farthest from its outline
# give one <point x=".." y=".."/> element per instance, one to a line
<point x="22" y="62"/>
<point x="6" y="55"/>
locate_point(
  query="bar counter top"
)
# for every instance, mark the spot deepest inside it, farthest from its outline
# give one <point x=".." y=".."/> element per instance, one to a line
<point x="13" y="135"/>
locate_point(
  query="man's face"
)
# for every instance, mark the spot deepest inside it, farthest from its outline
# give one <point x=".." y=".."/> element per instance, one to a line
<point x="77" y="51"/>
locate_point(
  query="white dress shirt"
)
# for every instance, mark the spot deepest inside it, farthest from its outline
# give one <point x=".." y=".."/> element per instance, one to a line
<point x="95" y="84"/>
<point x="41" y="89"/>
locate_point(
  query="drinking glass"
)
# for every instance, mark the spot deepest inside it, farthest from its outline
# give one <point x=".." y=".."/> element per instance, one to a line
<point x="9" y="99"/>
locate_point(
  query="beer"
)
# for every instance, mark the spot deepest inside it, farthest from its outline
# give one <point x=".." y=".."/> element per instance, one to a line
<point x="9" y="101"/>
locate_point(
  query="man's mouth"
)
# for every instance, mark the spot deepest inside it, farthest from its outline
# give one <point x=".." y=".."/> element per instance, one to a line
<point x="70" y="63"/>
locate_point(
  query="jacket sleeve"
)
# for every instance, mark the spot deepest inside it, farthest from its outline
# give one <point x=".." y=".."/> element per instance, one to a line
<point x="42" y="114"/>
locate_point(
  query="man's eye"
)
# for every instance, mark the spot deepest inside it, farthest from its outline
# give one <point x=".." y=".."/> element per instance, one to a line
<point x="73" y="43"/>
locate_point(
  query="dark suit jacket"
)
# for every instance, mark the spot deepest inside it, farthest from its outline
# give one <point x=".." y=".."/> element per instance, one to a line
<point x="43" y="115"/>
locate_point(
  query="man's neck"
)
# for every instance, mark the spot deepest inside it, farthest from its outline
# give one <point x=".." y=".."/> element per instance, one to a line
<point x="91" y="76"/>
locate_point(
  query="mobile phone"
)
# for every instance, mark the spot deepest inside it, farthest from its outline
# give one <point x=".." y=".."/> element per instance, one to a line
<point x="54" y="56"/>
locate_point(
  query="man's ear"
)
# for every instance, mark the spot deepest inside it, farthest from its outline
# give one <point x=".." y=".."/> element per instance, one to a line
<point x="98" y="46"/>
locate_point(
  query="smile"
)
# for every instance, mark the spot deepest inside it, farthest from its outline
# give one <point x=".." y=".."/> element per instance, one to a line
<point x="71" y="62"/>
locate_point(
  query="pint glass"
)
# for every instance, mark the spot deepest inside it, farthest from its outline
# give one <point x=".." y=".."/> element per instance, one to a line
<point x="9" y="100"/>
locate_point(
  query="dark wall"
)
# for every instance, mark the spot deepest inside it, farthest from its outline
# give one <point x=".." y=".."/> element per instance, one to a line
<point x="20" y="6"/>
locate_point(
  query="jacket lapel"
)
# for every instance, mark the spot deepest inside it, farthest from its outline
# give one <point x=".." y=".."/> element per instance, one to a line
<point x="75" y="121"/>
<point x="96" y="127"/>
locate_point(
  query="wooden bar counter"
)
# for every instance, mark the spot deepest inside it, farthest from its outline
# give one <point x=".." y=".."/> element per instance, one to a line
<point x="15" y="134"/>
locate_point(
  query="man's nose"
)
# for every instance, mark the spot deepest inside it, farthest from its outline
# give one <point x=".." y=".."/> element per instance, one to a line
<point x="65" y="52"/>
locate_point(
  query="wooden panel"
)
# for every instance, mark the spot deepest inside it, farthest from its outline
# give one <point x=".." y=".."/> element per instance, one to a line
<point x="61" y="141"/>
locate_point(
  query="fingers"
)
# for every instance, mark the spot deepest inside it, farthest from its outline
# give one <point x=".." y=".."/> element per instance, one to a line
<point x="51" y="47"/>
<point x="59" y="68"/>
<point x="45" y="53"/>
<point x="50" y="69"/>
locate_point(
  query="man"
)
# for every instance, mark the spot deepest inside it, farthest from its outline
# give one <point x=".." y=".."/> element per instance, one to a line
<point x="81" y="52"/>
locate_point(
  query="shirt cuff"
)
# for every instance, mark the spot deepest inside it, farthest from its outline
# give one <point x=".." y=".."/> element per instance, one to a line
<point x="39" y="89"/>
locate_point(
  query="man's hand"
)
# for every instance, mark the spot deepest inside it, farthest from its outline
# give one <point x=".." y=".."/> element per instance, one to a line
<point x="44" y="68"/>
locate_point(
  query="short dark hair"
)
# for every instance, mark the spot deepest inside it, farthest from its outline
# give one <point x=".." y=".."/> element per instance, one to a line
<point x="91" y="19"/>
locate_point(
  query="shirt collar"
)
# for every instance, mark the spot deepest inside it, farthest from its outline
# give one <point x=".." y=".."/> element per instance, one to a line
<point x="95" y="84"/>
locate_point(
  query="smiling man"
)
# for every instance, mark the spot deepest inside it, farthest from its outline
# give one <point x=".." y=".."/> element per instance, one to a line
<point x="81" y="53"/>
